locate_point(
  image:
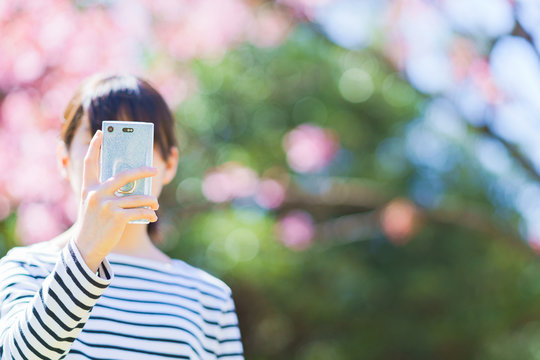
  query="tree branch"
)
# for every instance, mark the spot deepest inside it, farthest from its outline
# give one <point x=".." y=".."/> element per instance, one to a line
<point x="514" y="152"/>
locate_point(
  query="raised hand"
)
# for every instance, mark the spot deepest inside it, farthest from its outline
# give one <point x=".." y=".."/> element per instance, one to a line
<point x="103" y="216"/>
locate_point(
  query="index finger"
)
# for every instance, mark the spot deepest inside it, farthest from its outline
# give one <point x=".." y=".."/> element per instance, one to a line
<point x="91" y="161"/>
<point x="122" y="178"/>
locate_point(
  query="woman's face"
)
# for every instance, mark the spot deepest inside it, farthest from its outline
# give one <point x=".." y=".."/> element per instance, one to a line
<point x="71" y="164"/>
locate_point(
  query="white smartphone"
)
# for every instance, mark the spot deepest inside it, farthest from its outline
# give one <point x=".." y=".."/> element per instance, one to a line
<point x="127" y="145"/>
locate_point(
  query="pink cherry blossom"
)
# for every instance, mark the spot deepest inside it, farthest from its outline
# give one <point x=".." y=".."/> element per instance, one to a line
<point x="37" y="222"/>
<point x="230" y="180"/>
<point x="296" y="230"/>
<point x="203" y="28"/>
<point x="310" y="148"/>
<point x="49" y="47"/>
<point x="534" y="243"/>
<point x="398" y="220"/>
<point x="270" y="194"/>
<point x="305" y="8"/>
<point x="269" y="27"/>
<point x="5" y="207"/>
<point x="176" y="85"/>
<point x="217" y="187"/>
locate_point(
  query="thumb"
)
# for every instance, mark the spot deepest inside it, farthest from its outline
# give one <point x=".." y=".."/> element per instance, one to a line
<point x="91" y="161"/>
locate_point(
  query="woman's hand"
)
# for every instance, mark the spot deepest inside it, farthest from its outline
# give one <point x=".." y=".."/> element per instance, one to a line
<point x="103" y="216"/>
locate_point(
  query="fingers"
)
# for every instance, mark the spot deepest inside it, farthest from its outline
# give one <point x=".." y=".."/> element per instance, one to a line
<point x="122" y="178"/>
<point x="91" y="161"/>
<point x="138" y="214"/>
<point x="133" y="201"/>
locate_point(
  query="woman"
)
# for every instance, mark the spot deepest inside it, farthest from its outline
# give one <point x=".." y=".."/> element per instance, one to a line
<point x="102" y="289"/>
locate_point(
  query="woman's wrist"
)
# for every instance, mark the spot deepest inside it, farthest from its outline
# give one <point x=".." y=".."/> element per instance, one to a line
<point x="92" y="261"/>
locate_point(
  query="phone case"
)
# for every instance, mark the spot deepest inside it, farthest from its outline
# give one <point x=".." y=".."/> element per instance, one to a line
<point x="126" y="145"/>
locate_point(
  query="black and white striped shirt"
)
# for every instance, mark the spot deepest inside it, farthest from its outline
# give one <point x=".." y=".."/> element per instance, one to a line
<point x="52" y="306"/>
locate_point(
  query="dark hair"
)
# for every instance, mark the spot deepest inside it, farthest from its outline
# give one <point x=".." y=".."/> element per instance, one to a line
<point x="125" y="97"/>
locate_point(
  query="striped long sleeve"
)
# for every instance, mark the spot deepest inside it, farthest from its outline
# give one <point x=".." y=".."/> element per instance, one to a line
<point x="230" y="347"/>
<point x="42" y="313"/>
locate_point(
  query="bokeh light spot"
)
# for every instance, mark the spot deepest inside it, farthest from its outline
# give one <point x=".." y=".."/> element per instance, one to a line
<point x="296" y="230"/>
<point x="242" y="245"/>
<point x="356" y="85"/>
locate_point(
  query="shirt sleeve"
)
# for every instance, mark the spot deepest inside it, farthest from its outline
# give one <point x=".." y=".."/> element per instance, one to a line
<point x="40" y="317"/>
<point x="229" y="337"/>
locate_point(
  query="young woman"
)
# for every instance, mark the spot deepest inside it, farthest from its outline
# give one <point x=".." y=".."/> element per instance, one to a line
<point x="102" y="289"/>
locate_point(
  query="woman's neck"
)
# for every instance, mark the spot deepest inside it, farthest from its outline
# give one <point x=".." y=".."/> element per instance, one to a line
<point x="135" y="241"/>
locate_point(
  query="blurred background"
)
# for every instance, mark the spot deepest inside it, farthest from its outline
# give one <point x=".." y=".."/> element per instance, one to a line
<point x="364" y="174"/>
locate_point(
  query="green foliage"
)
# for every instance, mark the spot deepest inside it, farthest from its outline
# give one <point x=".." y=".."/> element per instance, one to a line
<point x="7" y="234"/>
<point x="451" y="293"/>
<point x="455" y="291"/>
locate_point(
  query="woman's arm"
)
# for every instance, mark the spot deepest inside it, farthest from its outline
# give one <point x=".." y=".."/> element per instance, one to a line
<point x="41" y="319"/>
<point x="229" y="337"/>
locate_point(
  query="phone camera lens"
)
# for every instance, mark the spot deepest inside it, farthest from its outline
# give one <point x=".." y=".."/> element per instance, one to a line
<point x="110" y="128"/>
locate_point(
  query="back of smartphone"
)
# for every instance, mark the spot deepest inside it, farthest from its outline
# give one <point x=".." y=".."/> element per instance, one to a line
<point x="126" y="145"/>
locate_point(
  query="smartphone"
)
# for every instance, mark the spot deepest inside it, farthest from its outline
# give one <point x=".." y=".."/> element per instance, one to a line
<point x="127" y="145"/>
